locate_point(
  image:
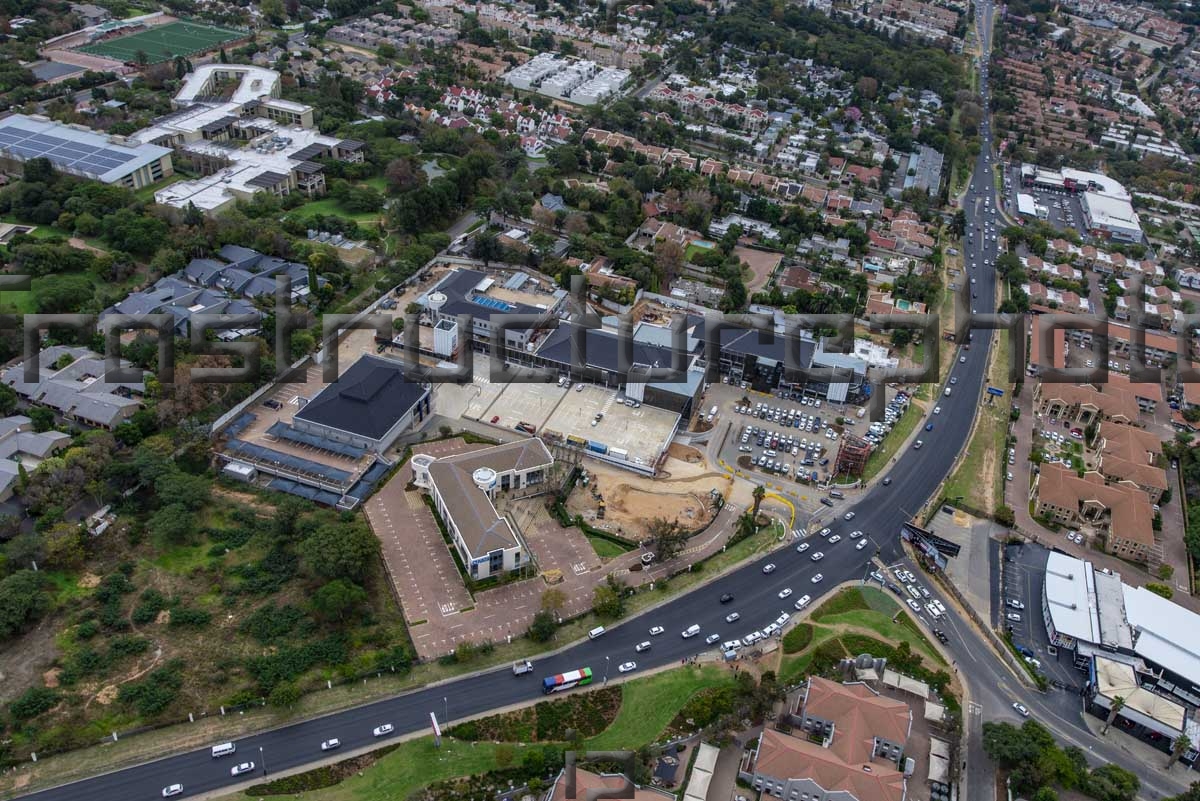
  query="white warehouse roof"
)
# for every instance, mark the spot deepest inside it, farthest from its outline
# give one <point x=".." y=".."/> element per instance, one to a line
<point x="1164" y="632"/>
<point x="1070" y="597"/>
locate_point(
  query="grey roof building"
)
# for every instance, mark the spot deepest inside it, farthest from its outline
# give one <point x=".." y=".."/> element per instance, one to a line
<point x="74" y="382"/>
<point x="463" y="488"/>
<point x="369" y="406"/>
<point x="20" y="445"/>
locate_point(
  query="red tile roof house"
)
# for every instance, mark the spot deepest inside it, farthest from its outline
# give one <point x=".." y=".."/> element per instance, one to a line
<point x="851" y="746"/>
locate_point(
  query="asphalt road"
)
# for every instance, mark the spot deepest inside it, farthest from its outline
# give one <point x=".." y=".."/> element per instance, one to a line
<point x="879" y="514"/>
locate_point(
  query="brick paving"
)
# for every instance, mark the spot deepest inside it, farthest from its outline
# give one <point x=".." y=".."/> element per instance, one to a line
<point x="440" y="611"/>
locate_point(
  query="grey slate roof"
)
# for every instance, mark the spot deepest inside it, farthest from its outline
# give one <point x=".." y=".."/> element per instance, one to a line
<point x="366" y="400"/>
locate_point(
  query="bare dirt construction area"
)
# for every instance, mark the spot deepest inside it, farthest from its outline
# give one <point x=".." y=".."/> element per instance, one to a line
<point x="685" y="453"/>
<point x="761" y="264"/>
<point x="631" y="501"/>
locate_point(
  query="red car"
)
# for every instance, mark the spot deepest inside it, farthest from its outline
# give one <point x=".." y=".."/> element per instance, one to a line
<point x="496" y="419"/>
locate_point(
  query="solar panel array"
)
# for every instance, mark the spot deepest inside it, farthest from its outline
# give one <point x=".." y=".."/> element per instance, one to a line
<point x="65" y="153"/>
<point x="284" y="431"/>
<point x="269" y="457"/>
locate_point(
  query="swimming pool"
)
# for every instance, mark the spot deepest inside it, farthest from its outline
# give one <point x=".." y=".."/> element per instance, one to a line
<point x="704" y="243"/>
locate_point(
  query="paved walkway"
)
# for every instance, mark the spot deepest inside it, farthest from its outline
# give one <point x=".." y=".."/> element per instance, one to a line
<point x="441" y="613"/>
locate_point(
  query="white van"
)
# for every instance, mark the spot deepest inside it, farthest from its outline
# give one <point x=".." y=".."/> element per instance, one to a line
<point x="596" y="632"/>
<point x="691" y="631"/>
<point x="222" y="750"/>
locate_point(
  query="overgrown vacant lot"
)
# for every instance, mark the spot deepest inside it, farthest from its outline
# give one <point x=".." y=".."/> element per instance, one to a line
<point x="253" y="602"/>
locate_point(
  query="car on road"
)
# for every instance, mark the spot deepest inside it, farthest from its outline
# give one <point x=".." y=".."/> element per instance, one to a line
<point x="802" y="547"/>
<point x="817" y="578"/>
<point x="690" y="631"/>
<point x="785" y="592"/>
<point x="1009" y="476"/>
<point x="1014" y="617"/>
<point x="244" y="767"/>
<point x="331" y="744"/>
<point x="835" y="538"/>
<point x="656" y="630"/>
<point x="825" y="532"/>
<point x="916" y="607"/>
<point x="1015" y="604"/>
<point x="625" y="667"/>
<point x="804" y="601"/>
<point x="937" y="409"/>
<point x="887" y="481"/>
<point x="172" y="789"/>
<point x="929" y="426"/>
<point x="953" y="380"/>
<point x="917" y="445"/>
<point x="818" y="556"/>
<point x="848" y="516"/>
<point x="380" y="731"/>
<point x="1021" y="709"/>
<point x="860" y="544"/>
<point x="962" y="359"/>
<point x="769" y="568"/>
<point x="732" y="616"/>
<point x="727" y="597"/>
<point x="877" y="576"/>
<point x="710" y="639"/>
<point x="642" y="646"/>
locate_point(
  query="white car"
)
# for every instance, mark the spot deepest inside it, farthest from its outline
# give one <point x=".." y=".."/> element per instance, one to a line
<point x="238" y="770"/>
<point x="732" y="617"/>
<point x="625" y="667"/>
<point x="848" y="516"/>
<point x="804" y="601"/>
<point x="785" y="592"/>
<point x="861" y="544"/>
<point x="937" y="409"/>
<point x="916" y="607"/>
<point x="817" y="578"/>
<point x="656" y="630"/>
<point x="818" y="556"/>
<point x="331" y="744"/>
<point x="835" y="538"/>
<point x="173" y="789"/>
<point x="380" y="731"/>
<point x="642" y="646"/>
<point x="802" y="547"/>
<point x="783" y="618"/>
<point x="769" y="568"/>
<point x="1021" y="710"/>
<point x="825" y="532"/>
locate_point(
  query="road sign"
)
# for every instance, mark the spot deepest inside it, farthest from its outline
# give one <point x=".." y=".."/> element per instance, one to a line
<point x="995" y="391"/>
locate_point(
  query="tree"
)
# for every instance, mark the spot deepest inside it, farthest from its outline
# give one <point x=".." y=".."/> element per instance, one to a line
<point x="22" y="601"/>
<point x="669" y="538"/>
<point x="339" y="550"/>
<point x="273" y="11"/>
<point x="1045" y="794"/>
<point x="338" y="600"/>
<point x="543" y="626"/>
<point x="62" y="546"/>
<point x="668" y="258"/>
<point x="1179" y="748"/>
<point x="1118" y="703"/>
<point x="553" y="600"/>
<point x="284" y="695"/>
<point x="403" y="174"/>
<point x="1112" y="783"/>
<point x="608" y="600"/>
<point x="8" y="400"/>
<point x="42" y="418"/>
<point x="486" y="248"/>
<point x="760" y="492"/>
<point x="1005" y="516"/>
<point x="1192" y="793"/>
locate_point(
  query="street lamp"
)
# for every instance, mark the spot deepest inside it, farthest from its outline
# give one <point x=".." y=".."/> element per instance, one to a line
<point x="445" y="709"/>
<point x="262" y="760"/>
<point x="606" y="670"/>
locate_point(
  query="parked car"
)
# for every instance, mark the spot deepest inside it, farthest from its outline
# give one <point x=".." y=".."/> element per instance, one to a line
<point x="1014" y="617"/>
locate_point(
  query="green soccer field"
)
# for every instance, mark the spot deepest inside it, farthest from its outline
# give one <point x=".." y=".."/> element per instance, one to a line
<point x="164" y="42"/>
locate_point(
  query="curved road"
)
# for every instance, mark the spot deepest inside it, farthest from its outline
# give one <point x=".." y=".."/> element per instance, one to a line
<point x="879" y="514"/>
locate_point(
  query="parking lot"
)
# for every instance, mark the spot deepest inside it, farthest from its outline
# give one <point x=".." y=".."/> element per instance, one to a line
<point x="790" y="440"/>
<point x="1064" y="209"/>
<point x="1024" y="572"/>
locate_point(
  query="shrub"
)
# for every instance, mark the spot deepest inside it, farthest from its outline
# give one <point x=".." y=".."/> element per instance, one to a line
<point x="34" y="702"/>
<point x="269" y="623"/>
<point x="799" y="638"/>
<point x="187" y="616"/>
<point x="152" y="602"/>
<point x="156" y="692"/>
<point x="1160" y="589"/>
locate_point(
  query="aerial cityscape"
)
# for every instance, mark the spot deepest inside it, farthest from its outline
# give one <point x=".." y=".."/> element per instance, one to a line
<point x="700" y="400"/>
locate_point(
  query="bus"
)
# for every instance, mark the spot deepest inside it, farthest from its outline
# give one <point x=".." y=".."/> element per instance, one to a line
<point x="565" y="681"/>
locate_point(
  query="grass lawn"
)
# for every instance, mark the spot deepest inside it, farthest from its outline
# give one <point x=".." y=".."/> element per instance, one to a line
<point x="146" y="193"/>
<point x="793" y="668"/>
<point x="649" y="704"/>
<point x="979" y="479"/>
<point x="890" y="632"/>
<point x="330" y="206"/>
<point x="606" y="549"/>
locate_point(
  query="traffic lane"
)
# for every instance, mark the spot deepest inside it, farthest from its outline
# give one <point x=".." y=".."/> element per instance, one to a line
<point x="299" y="744"/>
